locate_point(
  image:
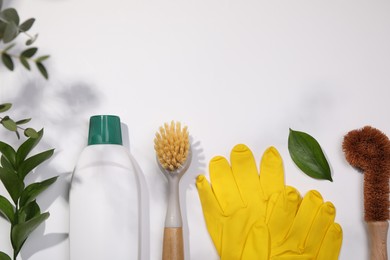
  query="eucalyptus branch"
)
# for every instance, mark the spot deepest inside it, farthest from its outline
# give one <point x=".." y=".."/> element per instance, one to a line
<point x="13" y="126"/>
<point x="25" y="58"/>
<point x="29" y="132"/>
<point x="10" y="28"/>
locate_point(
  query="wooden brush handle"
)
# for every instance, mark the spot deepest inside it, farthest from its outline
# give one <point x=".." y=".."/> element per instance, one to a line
<point x="377" y="231"/>
<point x="173" y="244"/>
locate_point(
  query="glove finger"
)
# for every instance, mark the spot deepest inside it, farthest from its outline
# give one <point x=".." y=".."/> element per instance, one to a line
<point x="300" y="228"/>
<point x="224" y="185"/>
<point x="257" y="244"/>
<point x="207" y="198"/>
<point x="325" y="217"/>
<point x="245" y="173"/>
<point x="271" y="172"/>
<point x="284" y="208"/>
<point x="211" y="211"/>
<point x="331" y="245"/>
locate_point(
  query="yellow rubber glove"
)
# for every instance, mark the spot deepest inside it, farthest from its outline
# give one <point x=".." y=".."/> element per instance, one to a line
<point x="239" y="195"/>
<point x="313" y="234"/>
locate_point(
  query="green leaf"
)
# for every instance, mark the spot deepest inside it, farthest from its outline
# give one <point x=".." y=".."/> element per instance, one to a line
<point x="17" y="134"/>
<point x="8" y="152"/>
<point x="42" y="58"/>
<point x="13" y="184"/>
<point x="6" y="164"/>
<point x="307" y="154"/>
<point x="7" y="61"/>
<point x="4" y="107"/>
<point x="1" y="4"/>
<point x="2" y="28"/>
<point x="24" y="62"/>
<point x="30" y="163"/>
<point x="26" y="147"/>
<point x="42" y="70"/>
<point x="33" y="190"/>
<point x="7" y="209"/>
<point x="29" y="211"/>
<point x="20" y="232"/>
<point x="4" y="256"/>
<point x="8" y="123"/>
<point x="26" y="25"/>
<point x="30" y="132"/>
<point x="28" y="53"/>
<point x="11" y="32"/>
<point x="23" y="121"/>
<point x="10" y="15"/>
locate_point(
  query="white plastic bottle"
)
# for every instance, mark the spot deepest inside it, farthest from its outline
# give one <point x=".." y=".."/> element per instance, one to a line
<point x="103" y="197"/>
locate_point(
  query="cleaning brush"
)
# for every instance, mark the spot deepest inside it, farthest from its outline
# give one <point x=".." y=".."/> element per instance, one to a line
<point x="368" y="150"/>
<point x="172" y="148"/>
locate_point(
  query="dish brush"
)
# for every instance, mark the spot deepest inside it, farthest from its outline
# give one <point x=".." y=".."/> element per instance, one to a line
<point x="172" y="148"/>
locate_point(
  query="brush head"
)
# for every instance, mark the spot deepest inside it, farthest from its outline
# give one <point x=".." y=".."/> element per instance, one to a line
<point x="172" y="146"/>
<point x="368" y="150"/>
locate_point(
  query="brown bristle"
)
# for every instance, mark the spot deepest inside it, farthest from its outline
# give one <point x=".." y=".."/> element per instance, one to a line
<point x="368" y="149"/>
<point x="172" y="145"/>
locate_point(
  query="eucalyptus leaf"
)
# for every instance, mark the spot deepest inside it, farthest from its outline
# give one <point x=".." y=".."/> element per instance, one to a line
<point x="5" y="107"/>
<point x="24" y="62"/>
<point x="42" y="70"/>
<point x="26" y="147"/>
<point x="30" y="132"/>
<point x="28" y="53"/>
<point x="33" y="190"/>
<point x="307" y="154"/>
<point x="7" y="209"/>
<point x="30" y="163"/>
<point x="8" y="152"/>
<point x="12" y="183"/>
<point x="11" y="32"/>
<point x="23" y="121"/>
<point x="42" y="58"/>
<point x="8" y="123"/>
<point x="10" y="15"/>
<point x="3" y="25"/>
<point x="7" y="61"/>
<point x="26" y="25"/>
<point x="4" y="256"/>
<point x="21" y="231"/>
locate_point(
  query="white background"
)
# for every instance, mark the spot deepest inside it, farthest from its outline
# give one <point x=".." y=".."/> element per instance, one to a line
<point x="233" y="71"/>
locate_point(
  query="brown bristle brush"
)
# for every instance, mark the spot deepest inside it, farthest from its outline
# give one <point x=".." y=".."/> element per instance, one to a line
<point x="368" y="150"/>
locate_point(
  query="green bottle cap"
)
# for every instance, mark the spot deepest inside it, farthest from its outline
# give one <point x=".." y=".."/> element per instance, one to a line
<point x="104" y="129"/>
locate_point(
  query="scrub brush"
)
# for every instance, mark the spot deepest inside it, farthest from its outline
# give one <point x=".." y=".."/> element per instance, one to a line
<point x="173" y="155"/>
<point x="368" y="150"/>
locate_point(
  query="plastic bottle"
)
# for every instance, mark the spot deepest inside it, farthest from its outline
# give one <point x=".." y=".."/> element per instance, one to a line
<point x="103" y="197"/>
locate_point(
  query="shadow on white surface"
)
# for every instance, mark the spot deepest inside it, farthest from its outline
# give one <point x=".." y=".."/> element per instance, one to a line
<point x="45" y="242"/>
<point x="188" y="180"/>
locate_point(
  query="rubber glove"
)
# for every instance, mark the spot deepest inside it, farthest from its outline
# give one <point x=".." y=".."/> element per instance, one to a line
<point x="239" y="195"/>
<point x="313" y="234"/>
